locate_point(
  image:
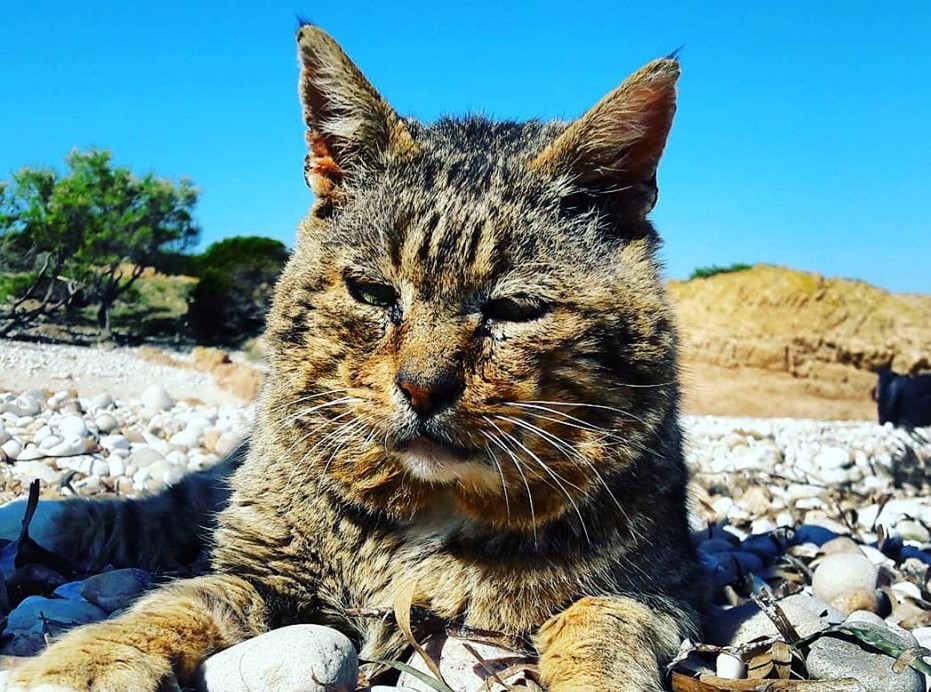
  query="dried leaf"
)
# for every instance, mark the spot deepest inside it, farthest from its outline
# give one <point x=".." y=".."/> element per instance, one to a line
<point x="906" y="657"/>
<point x="403" y="603"/>
<point x="782" y="660"/>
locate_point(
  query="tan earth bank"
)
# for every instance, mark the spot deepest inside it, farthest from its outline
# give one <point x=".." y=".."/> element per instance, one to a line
<point x="771" y="341"/>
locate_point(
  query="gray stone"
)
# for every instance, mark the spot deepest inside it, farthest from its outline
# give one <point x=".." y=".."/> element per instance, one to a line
<point x="299" y="658"/>
<point x="828" y="613"/>
<point x="102" y="401"/>
<point x="830" y="658"/>
<point x="460" y="669"/>
<point x="759" y="625"/>
<point x="106" y="423"/>
<point x="872" y="621"/>
<point x="116" y="589"/>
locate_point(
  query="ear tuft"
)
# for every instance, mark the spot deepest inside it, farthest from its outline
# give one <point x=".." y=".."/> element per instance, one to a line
<point x="350" y="126"/>
<point x="615" y="148"/>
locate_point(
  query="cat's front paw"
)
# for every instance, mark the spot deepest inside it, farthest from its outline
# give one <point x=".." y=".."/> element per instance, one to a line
<point x="606" y="644"/>
<point x="92" y="659"/>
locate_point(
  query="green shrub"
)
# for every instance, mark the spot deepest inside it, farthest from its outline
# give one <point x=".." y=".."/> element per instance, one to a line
<point x="14" y="285"/>
<point x="237" y="276"/>
<point x="705" y="272"/>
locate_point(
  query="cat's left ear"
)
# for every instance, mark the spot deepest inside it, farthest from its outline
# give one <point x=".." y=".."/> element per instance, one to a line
<point x="349" y="125"/>
<point x="613" y="150"/>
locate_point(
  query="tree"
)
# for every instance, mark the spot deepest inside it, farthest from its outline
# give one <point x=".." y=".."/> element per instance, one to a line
<point x="237" y="276"/>
<point x="92" y="231"/>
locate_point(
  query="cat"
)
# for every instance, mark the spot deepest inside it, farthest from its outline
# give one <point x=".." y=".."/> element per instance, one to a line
<point x="472" y="397"/>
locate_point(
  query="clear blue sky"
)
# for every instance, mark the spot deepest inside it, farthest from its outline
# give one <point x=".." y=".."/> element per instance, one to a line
<point x="803" y="135"/>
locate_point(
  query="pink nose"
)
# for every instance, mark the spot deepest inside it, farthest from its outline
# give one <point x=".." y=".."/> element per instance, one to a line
<point x="429" y="395"/>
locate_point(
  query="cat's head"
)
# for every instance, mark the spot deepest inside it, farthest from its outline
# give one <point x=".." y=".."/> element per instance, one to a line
<point x="473" y="309"/>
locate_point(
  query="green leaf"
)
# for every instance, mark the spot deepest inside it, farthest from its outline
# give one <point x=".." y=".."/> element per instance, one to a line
<point x="425" y="678"/>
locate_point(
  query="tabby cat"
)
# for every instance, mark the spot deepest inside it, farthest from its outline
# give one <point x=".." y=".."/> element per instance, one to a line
<point x="473" y="394"/>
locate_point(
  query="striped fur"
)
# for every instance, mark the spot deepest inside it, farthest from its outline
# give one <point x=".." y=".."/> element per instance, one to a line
<point x="512" y="264"/>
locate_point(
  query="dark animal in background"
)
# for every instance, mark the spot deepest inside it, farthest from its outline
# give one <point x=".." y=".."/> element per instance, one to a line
<point x="903" y="400"/>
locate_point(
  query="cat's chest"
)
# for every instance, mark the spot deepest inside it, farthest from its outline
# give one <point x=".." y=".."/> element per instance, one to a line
<point x="490" y="590"/>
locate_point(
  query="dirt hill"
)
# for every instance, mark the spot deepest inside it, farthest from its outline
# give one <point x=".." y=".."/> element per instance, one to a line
<point x="773" y="341"/>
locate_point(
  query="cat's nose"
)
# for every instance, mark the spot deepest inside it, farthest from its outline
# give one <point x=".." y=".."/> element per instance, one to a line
<point x="430" y="395"/>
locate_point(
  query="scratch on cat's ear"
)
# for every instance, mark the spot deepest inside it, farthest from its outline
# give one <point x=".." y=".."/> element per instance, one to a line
<point x="349" y="125"/>
<point x="615" y="147"/>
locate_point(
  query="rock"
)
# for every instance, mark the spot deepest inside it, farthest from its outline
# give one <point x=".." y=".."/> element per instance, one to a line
<point x="47" y="441"/>
<point x="459" y="667"/>
<point x="65" y="611"/>
<point x="114" y="442"/>
<point x="35" y="469"/>
<point x="68" y="447"/>
<point x="730" y="667"/>
<point x="102" y="401"/>
<point x="841" y="544"/>
<point x="12" y="448"/>
<point x="72" y="427"/>
<point x="923" y="636"/>
<point x="155" y="398"/>
<point x="759" y="625"/>
<point x="106" y="423"/>
<point x="226" y="444"/>
<point x="831" y="658"/>
<point x="903" y="637"/>
<point x="826" y="612"/>
<point x="144" y="456"/>
<point x="299" y="658"/>
<point x="71" y="590"/>
<point x="116" y="589"/>
<point x="186" y="439"/>
<point x="813" y="534"/>
<point x="832" y="458"/>
<point x="209" y="438"/>
<point x="856" y="600"/>
<point x="910" y="530"/>
<point x="842" y="572"/>
<point x="116" y="467"/>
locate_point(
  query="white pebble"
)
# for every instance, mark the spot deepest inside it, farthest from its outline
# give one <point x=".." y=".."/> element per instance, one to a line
<point x="841" y="573"/>
<point x="12" y="448"/>
<point x="106" y="423"/>
<point x="730" y="667"/>
<point x="156" y="398"/>
<point x="114" y="442"/>
<point x="72" y="427"/>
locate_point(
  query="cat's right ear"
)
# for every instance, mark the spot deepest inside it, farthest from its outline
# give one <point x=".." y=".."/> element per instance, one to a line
<point x="349" y="125"/>
<point x="613" y="150"/>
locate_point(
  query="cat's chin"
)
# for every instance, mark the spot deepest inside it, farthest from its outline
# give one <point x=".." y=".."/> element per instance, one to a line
<point x="436" y="463"/>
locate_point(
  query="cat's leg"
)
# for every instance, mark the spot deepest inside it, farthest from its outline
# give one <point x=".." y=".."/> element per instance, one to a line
<point x="154" y="647"/>
<point x="609" y="643"/>
<point x="166" y="531"/>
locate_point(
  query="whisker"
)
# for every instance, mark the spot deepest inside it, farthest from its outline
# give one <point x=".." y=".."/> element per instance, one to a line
<point x="570" y="453"/>
<point x="533" y="516"/>
<point x="555" y="476"/>
<point x="504" y="487"/>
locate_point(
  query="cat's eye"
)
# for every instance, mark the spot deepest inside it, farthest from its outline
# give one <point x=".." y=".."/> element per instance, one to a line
<point x="371" y="293"/>
<point x="518" y="309"/>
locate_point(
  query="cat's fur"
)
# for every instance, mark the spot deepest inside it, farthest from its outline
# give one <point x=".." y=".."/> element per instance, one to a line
<point x="473" y="394"/>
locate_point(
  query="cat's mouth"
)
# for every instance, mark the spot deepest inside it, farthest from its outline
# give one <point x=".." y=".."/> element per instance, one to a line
<point x="434" y="459"/>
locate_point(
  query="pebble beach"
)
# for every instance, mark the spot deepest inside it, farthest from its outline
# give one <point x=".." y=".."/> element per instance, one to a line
<point x="830" y="519"/>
